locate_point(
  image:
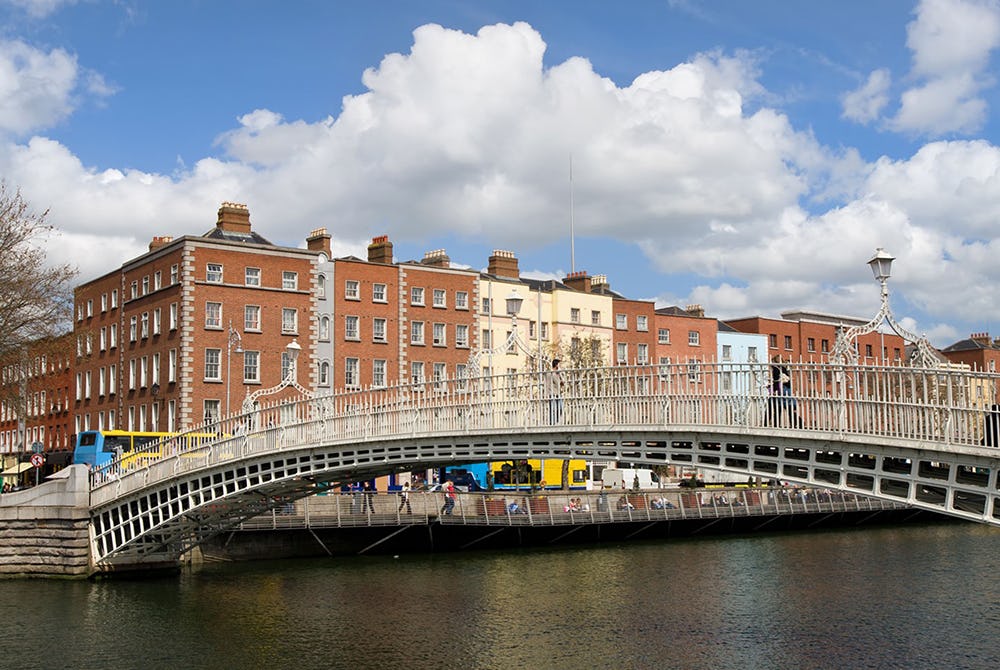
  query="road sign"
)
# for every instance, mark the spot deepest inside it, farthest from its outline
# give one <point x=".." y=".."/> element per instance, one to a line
<point x="37" y="460"/>
<point x="37" y="447"/>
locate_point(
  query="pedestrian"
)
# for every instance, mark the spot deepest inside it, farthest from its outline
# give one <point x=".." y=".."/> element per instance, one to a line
<point x="369" y="502"/>
<point x="553" y="391"/>
<point x="449" y="498"/>
<point x="404" y="499"/>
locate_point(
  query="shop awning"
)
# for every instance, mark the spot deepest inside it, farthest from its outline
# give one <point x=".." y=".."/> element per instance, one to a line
<point x="15" y="470"/>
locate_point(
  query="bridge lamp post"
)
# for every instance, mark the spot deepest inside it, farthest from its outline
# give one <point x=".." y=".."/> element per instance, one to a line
<point x="234" y="339"/>
<point x="292" y="349"/>
<point x="845" y="348"/>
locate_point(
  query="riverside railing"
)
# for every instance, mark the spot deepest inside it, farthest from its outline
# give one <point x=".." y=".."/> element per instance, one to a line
<point x="519" y="508"/>
<point x="942" y="406"/>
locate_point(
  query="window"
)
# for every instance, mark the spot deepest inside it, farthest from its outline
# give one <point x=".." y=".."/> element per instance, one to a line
<point x="417" y="372"/>
<point x="417" y="332"/>
<point x="462" y="336"/>
<point x="595" y="317"/>
<point x="213" y="315"/>
<point x="545" y="331"/>
<point x="157" y="280"/>
<point x="212" y="412"/>
<point x="642" y="323"/>
<point x="321" y="293"/>
<point x="213" y="273"/>
<point x="171" y="366"/>
<point x="352" y="289"/>
<point x="213" y="370"/>
<point x="438" y="332"/>
<point x="144" y="325"/>
<point x="574" y="315"/>
<point x="788" y="342"/>
<point x="663" y="336"/>
<point x="289" y="320"/>
<point x="134" y="289"/>
<point x="90" y="308"/>
<point x="172" y="317"/>
<point x="101" y="388"/>
<point x="173" y="273"/>
<point x="286" y="364"/>
<point x="87" y="385"/>
<point x="378" y="330"/>
<point x="289" y="280"/>
<point x="154" y="371"/>
<point x="621" y="321"/>
<point x="727" y="352"/>
<point x="824" y="346"/>
<point x="251" y="367"/>
<point x="112" y="379"/>
<point x="440" y="299"/>
<point x="487" y="339"/>
<point x="811" y="344"/>
<point x="324" y="328"/>
<point x="131" y="374"/>
<point x="252" y="277"/>
<point x="144" y="372"/>
<point x="621" y="353"/>
<point x="486" y="306"/>
<point x="156" y="321"/>
<point x="114" y="298"/>
<point x="378" y="293"/>
<point x="642" y="354"/>
<point x="439" y="375"/>
<point x="461" y="300"/>
<point x="251" y="317"/>
<point x="145" y="285"/>
<point x="351" y="328"/>
<point x="351" y="376"/>
<point x="104" y="338"/>
<point x="693" y="371"/>
<point x="416" y="296"/>
<point x="868" y="350"/>
<point x="752" y="354"/>
<point x="694" y="338"/>
<point x="133" y="329"/>
<point x="104" y="302"/>
<point x="772" y="341"/>
<point x="378" y="373"/>
<point x="461" y="375"/>
<point x="113" y="336"/>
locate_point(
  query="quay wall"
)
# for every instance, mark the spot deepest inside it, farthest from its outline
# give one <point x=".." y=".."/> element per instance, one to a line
<point x="44" y="531"/>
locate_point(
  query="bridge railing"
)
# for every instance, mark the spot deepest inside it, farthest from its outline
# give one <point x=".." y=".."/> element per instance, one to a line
<point x="511" y="507"/>
<point x="936" y="406"/>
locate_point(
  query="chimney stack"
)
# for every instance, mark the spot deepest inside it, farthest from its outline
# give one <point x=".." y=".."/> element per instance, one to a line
<point x="982" y="339"/>
<point x="159" y="241"/>
<point x="578" y="281"/>
<point x="319" y="240"/>
<point x="234" y="217"/>
<point x="380" y="250"/>
<point x="504" y="264"/>
<point x="437" y="259"/>
<point x="695" y="310"/>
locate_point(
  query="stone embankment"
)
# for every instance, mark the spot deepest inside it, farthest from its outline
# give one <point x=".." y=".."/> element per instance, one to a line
<point x="44" y="530"/>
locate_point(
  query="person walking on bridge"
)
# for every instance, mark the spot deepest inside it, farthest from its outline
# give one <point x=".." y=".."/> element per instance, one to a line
<point x="553" y="391"/>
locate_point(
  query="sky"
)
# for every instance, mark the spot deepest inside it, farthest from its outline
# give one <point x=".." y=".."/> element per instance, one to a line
<point x="745" y="156"/>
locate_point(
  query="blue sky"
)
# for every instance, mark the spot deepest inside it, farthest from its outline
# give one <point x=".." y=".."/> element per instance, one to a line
<point x="747" y="156"/>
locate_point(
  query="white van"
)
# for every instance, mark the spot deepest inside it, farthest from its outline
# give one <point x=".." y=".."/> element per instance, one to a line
<point x="625" y="478"/>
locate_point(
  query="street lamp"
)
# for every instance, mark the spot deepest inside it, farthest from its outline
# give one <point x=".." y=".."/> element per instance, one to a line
<point x="845" y="348"/>
<point x="234" y="339"/>
<point x="292" y="349"/>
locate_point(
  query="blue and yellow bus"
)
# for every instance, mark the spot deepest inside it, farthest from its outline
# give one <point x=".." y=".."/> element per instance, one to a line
<point x="520" y="474"/>
<point x="98" y="448"/>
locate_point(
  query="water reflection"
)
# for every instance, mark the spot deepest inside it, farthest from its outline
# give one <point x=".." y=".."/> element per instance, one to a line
<point x="914" y="596"/>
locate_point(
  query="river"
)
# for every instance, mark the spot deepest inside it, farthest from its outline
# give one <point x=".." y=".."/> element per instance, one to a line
<point x="911" y="596"/>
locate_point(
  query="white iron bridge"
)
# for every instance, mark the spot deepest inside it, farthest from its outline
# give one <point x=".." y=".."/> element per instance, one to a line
<point x="924" y="437"/>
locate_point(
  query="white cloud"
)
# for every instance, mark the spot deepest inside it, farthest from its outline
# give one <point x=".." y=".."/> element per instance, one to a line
<point x="865" y="103"/>
<point x="35" y="87"/>
<point x="39" y="9"/>
<point x="951" y="41"/>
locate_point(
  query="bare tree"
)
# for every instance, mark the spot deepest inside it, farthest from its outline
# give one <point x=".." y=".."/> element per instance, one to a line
<point x="36" y="297"/>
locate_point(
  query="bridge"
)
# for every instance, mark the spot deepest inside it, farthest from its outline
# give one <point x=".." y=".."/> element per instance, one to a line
<point x="922" y="437"/>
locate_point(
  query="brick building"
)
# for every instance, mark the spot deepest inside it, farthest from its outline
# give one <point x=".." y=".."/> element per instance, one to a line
<point x="181" y="334"/>
<point x="978" y="351"/>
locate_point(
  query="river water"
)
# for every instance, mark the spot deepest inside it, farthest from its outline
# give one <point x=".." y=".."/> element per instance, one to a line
<point x="913" y="596"/>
